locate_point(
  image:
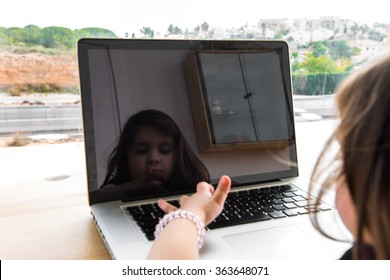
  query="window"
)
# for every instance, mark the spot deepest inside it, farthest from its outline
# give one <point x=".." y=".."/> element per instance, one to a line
<point x="39" y="77"/>
<point x="233" y="94"/>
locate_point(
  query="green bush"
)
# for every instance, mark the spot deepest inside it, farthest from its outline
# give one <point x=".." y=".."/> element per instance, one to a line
<point x="52" y="37"/>
<point x="316" y="84"/>
<point x="17" y="90"/>
<point x="18" y="140"/>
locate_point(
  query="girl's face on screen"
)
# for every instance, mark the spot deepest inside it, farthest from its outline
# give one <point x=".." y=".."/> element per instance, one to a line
<point x="152" y="156"/>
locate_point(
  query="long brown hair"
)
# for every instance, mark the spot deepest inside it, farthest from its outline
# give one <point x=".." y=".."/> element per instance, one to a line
<point x="189" y="170"/>
<point x="363" y="158"/>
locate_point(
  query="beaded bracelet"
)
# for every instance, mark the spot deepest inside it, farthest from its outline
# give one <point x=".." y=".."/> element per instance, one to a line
<point x="186" y="215"/>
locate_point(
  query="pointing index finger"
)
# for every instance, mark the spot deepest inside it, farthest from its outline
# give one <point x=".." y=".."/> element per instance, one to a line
<point x="222" y="190"/>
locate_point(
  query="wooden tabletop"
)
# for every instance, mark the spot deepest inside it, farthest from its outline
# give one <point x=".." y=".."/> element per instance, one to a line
<point x="44" y="211"/>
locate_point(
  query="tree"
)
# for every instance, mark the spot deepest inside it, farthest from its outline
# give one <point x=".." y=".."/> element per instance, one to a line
<point x="294" y="54"/>
<point x="320" y="64"/>
<point x="187" y="33"/>
<point x="57" y="37"/>
<point x="177" y="30"/>
<point x="147" y="31"/>
<point x="295" y="66"/>
<point x="174" y="29"/>
<point x="319" y="49"/>
<point x="204" y="26"/>
<point x="376" y="35"/>
<point x="15" y="35"/>
<point x="364" y="29"/>
<point x="339" y="49"/>
<point x="3" y="36"/>
<point x="197" y="29"/>
<point x="355" y="29"/>
<point x="170" y="28"/>
<point x="94" y="32"/>
<point x="282" y="32"/>
<point x="50" y="37"/>
<point x="33" y="35"/>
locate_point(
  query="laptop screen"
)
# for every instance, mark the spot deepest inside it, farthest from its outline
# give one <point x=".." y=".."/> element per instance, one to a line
<point x="161" y="115"/>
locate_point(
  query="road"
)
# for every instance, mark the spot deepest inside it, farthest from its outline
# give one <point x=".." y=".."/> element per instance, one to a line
<point x="322" y="105"/>
<point x="40" y="119"/>
<point x="62" y="113"/>
<point x="40" y="113"/>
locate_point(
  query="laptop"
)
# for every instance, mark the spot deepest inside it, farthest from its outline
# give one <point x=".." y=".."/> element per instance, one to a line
<point x="232" y="102"/>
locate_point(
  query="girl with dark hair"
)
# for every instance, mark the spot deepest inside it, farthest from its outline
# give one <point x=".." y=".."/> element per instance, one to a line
<point x="152" y="157"/>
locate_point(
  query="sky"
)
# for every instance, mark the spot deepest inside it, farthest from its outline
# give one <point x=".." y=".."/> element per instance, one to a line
<point x="129" y="16"/>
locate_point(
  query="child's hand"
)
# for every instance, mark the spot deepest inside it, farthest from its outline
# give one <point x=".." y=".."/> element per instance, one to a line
<point x="205" y="203"/>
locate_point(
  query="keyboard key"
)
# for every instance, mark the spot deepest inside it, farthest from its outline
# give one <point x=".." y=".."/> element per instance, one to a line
<point x="277" y="214"/>
<point x="290" y="205"/>
<point x="279" y="207"/>
<point x="287" y="188"/>
<point x="299" y="198"/>
<point x="232" y="222"/>
<point x="288" y="199"/>
<point x="291" y="212"/>
<point x="301" y="203"/>
<point x="265" y="190"/>
<point x="268" y="209"/>
<point x="325" y="207"/>
<point x="312" y="208"/>
<point x="288" y="194"/>
<point x="278" y="201"/>
<point x="302" y="211"/>
<point x="301" y="193"/>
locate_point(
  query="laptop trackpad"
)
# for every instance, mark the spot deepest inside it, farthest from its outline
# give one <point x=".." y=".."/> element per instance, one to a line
<point x="284" y="242"/>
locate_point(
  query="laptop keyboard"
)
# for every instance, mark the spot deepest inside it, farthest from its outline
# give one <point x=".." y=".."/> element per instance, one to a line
<point x="241" y="207"/>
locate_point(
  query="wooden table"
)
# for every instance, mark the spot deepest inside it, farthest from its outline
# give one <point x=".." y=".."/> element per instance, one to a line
<point x="47" y="217"/>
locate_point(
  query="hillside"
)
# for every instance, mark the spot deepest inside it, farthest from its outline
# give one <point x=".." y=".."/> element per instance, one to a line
<point x="30" y="70"/>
